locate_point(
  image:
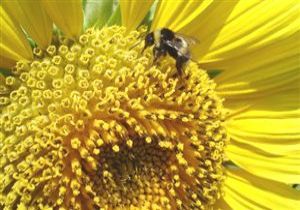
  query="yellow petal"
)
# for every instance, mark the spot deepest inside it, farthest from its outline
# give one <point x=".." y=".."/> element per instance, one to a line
<point x="275" y="133"/>
<point x="245" y="191"/>
<point x="221" y="205"/>
<point x="133" y="12"/>
<point x="281" y="168"/>
<point x="33" y="19"/>
<point x="13" y="44"/>
<point x="260" y="72"/>
<point x="6" y="62"/>
<point x="269" y="123"/>
<point x="177" y="15"/>
<point x="67" y="15"/>
<point x="265" y="132"/>
<point x="281" y="103"/>
<point x="258" y="51"/>
<point x="202" y="20"/>
<point x="251" y="26"/>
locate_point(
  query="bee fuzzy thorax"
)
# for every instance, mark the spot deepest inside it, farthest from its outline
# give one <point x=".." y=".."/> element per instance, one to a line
<point x="167" y="42"/>
<point x="157" y="35"/>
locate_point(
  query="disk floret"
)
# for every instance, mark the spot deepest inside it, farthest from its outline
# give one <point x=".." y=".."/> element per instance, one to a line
<point x="93" y="123"/>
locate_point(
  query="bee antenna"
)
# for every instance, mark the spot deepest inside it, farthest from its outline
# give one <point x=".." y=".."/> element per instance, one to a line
<point x="138" y="42"/>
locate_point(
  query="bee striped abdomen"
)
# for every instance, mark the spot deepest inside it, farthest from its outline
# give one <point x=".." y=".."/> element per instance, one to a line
<point x="166" y="41"/>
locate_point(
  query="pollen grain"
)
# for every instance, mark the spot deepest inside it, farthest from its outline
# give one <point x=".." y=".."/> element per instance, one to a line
<point x="91" y="124"/>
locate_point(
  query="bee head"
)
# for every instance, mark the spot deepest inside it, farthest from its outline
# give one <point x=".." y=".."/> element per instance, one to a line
<point x="149" y="40"/>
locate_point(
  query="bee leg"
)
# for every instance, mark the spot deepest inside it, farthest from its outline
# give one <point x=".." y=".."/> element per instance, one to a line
<point x="180" y="61"/>
<point x="158" y="52"/>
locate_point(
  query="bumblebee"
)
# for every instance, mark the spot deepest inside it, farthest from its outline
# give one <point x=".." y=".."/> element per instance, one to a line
<point x="165" y="42"/>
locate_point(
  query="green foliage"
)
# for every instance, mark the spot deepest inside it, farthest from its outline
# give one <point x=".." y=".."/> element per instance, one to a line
<point x="149" y="16"/>
<point x="97" y="12"/>
<point x="213" y="73"/>
<point x="115" y="18"/>
<point x="5" y="72"/>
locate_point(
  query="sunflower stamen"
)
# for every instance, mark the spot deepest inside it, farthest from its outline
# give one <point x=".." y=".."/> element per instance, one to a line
<point x="91" y="123"/>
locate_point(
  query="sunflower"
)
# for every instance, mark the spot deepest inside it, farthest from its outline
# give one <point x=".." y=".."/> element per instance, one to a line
<point x="89" y="121"/>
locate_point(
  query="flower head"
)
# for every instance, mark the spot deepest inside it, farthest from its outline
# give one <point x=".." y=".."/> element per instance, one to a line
<point x="87" y="121"/>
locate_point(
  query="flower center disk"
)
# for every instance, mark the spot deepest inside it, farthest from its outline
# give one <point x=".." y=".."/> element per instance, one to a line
<point x="92" y="123"/>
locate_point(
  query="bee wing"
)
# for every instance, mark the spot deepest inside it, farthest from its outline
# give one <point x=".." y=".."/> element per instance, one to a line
<point x="171" y="44"/>
<point x="190" y="40"/>
<point x="178" y="45"/>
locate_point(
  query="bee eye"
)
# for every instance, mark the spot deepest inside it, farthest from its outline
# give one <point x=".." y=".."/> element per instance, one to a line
<point x="149" y="39"/>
